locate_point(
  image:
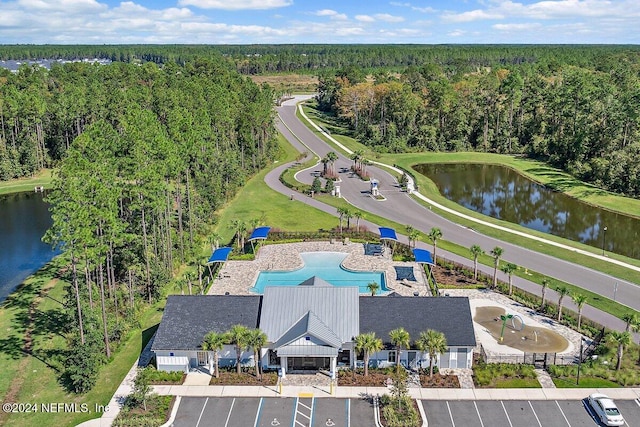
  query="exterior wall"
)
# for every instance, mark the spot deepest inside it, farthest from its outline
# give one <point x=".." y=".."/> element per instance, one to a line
<point x="226" y="357"/>
<point x="192" y="355"/>
<point x="465" y="354"/>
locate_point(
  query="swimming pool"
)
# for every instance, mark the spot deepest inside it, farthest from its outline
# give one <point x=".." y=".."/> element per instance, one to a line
<point x="327" y="266"/>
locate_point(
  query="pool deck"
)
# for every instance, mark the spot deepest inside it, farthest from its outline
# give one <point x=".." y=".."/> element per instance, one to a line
<point x="237" y="277"/>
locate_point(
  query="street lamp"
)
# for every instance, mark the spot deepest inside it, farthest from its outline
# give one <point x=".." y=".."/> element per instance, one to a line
<point x="579" y="361"/>
<point x="604" y="237"/>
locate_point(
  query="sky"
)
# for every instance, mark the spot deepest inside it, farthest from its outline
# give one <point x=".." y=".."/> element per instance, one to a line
<point x="325" y="21"/>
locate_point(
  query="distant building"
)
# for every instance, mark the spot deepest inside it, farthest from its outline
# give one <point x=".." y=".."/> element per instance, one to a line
<point x="311" y="326"/>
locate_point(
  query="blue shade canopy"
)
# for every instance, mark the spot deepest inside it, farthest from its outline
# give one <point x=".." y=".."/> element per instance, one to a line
<point x="423" y="256"/>
<point x="388" y="233"/>
<point x="259" y="233"/>
<point x="220" y="255"/>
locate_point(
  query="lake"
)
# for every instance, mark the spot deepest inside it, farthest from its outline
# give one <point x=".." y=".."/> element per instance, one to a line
<point x="502" y="193"/>
<point x="24" y="218"/>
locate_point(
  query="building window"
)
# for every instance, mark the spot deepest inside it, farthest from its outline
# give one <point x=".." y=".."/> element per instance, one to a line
<point x="392" y="356"/>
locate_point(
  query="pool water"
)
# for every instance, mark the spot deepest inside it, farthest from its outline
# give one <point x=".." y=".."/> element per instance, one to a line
<point x="325" y="265"/>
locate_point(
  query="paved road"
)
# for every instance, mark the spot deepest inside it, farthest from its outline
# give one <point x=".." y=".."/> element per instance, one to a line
<point x="403" y="209"/>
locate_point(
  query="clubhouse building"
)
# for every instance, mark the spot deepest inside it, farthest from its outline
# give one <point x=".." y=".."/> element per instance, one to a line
<point x="311" y="326"/>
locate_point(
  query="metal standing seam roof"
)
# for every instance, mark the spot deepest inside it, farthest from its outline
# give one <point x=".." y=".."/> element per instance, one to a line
<point x="311" y="325"/>
<point x="307" y="351"/>
<point x="336" y="307"/>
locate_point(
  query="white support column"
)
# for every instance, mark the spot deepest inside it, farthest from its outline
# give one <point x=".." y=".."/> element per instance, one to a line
<point x="334" y="365"/>
<point x="283" y="366"/>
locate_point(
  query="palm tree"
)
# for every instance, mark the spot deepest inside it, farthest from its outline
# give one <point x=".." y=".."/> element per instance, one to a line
<point x="348" y="214"/>
<point x="399" y="338"/>
<point x="476" y="251"/>
<point x="214" y="239"/>
<point x="368" y="344"/>
<point x="341" y="214"/>
<point x="332" y="157"/>
<point x="579" y="300"/>
<point x="545" y="285"/>
<point x="413" y="237"/>
<point x="238" y="336"/>
<point x="496" y="253"/>
<point x="256" y="339"/>
<point x="622" y="339"/>
<point x="215" y="342"/>
<point x="373" y="288"/>
<point x="509" y="269"/>
<point x="358" y="216"/>
<point x="409" y="229"/>
<point x="631" y="319"/>
<point x="434" y="234"/>
<point x="434" y="343"/>
<point x="325" y="163"/>
<point x="240" y="227"/>
<point x="562" y="291"/>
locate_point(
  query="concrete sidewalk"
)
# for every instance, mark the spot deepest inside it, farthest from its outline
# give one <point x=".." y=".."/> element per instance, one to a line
<point x="416" y="393"/>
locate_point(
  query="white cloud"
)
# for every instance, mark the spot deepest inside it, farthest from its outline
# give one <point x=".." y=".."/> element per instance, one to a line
<point x="331" y="14"/>
<point x="365" y="18"/>
<point x="427" y="9"/>
<point x="456" y="33"/>
<point x="385" y="17"/>
<point x="472" y="15"/>
<point x="517" y="27"/>
<point x="236" y="4"/>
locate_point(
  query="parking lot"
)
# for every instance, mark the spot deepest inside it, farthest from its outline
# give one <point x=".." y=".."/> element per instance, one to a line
<point x="520" y="413"/>
<point x="272" y="412"/>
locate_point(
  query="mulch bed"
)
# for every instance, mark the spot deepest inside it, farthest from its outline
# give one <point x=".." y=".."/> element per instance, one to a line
<point x="232" y="378"/>
<point x="375" y="378"/>
<point x="439" y="381"/>
<point x="450" y="277"/>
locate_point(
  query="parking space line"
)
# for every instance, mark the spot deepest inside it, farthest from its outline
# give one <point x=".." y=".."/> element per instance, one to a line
<point x="229" y="415"/>
<point x="348" y="412"/>
<point x="534" y="414"/>
<point x="506" y="413"/>
<point x="255" y="423"/>
<point x="202" y="412"/>
<point x="313" y="408"/>
<point x="563" y="415"/>
<point x="637" y="401"/>
<point x="478" y="412"/>
<point x="451" y="415"/>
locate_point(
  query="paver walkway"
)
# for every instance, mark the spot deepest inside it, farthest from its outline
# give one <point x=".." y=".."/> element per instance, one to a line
<point x="544" y="378"/>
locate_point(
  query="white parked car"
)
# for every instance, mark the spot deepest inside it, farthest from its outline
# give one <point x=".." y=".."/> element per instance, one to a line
<point x="605" y="409"/>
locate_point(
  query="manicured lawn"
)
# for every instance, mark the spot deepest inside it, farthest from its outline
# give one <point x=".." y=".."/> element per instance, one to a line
<point x="43" y="178"/>
<point x="257" y="200"/>
<point x="588" y="382"/>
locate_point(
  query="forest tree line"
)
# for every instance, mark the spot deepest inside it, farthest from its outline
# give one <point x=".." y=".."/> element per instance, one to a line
<point x="145" y="157"/>
<point x="311" y="58"/>
<point x="584" y="120"/>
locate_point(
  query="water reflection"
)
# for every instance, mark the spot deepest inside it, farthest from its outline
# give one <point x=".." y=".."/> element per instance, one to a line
<point x="24" y="218"/>
<point x="502" y="193"/>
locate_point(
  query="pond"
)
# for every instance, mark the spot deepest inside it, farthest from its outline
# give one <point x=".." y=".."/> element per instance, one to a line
<point x="504" y="194"/>
<point x="24" y="218"/>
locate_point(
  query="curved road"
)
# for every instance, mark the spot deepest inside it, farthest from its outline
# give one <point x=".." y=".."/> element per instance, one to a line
<point x="401" y="208"/>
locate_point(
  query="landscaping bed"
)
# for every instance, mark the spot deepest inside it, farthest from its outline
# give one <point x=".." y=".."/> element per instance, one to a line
<point x="439" y="381"/>
<point x="504" y="375"/>
<point x="164" y="378"/>
<point x="376" y="377"/>
<point x="156" y="414"/>
<point x="244" y="378"/>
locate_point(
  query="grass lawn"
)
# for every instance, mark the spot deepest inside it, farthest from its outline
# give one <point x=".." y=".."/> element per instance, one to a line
<point x="588" y="382"/>
<point x="42" y="178"/>
<point x="257" y="200"/>
<point x="517" y="383"/>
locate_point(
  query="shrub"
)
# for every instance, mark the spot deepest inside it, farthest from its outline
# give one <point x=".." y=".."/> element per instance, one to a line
<point x="399" y="412"/>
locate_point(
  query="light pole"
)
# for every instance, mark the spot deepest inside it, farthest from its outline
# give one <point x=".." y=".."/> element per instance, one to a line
<point x="579" y="361"/>
<point x="604" y="238"/>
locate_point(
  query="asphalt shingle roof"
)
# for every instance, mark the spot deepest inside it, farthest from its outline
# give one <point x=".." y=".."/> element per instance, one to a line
<point x="187" y="319"/>
<point x="449" y="315"/>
